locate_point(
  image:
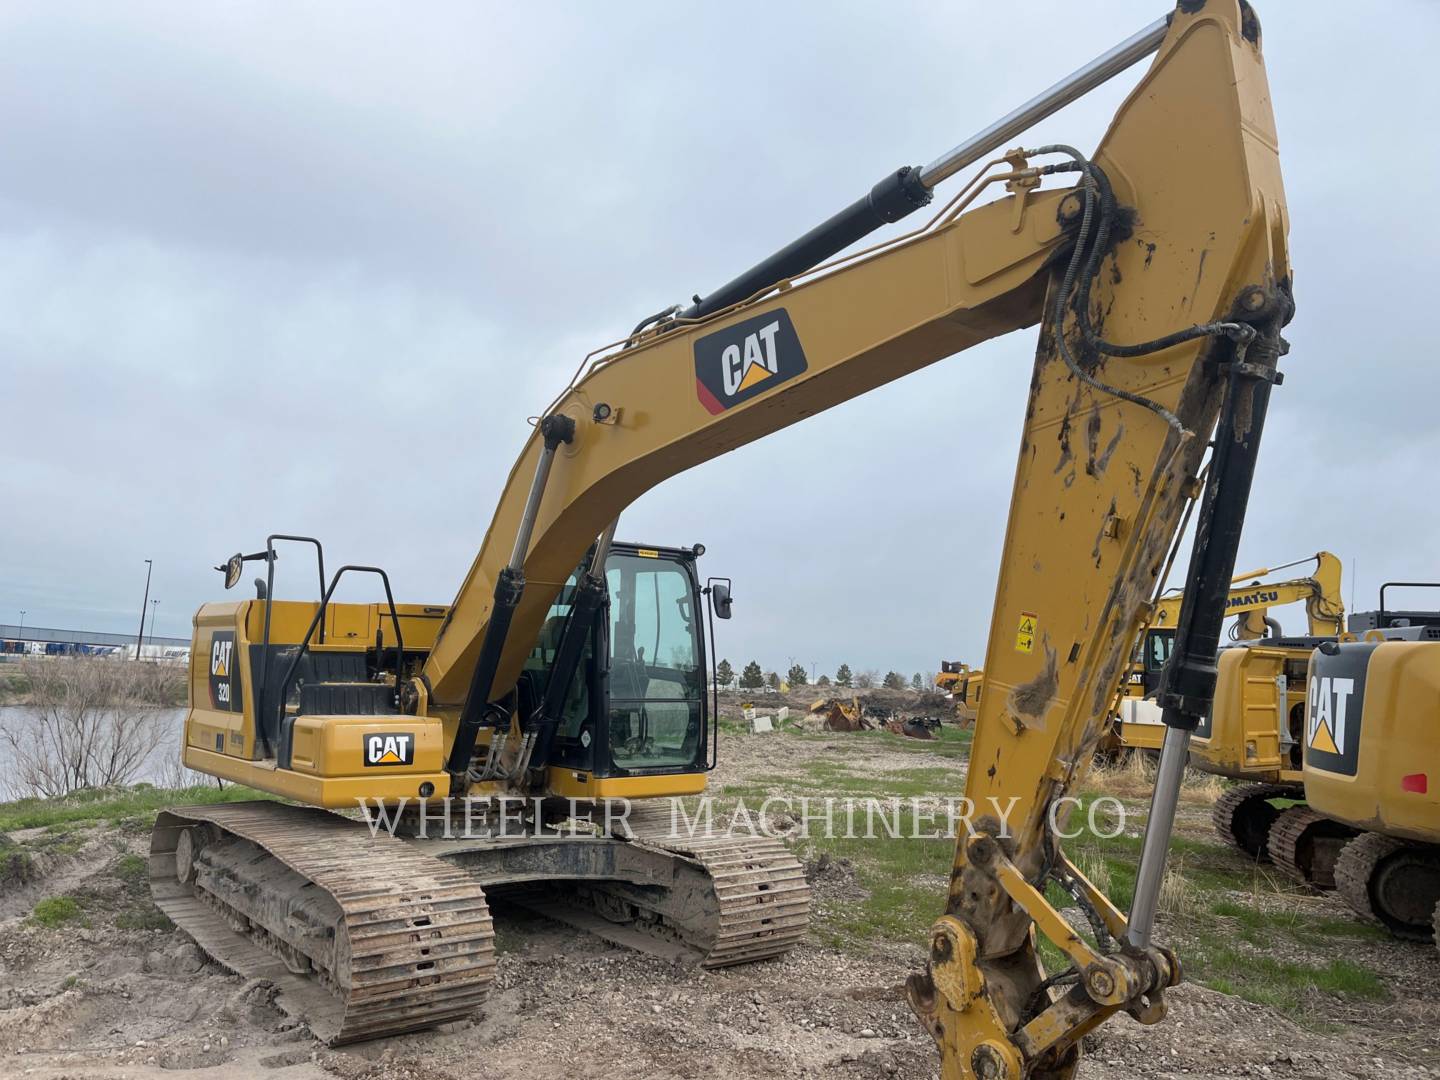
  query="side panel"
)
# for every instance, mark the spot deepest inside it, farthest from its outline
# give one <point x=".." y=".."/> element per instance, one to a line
<point x="1372" y="745"/>
<point x="219" y="681"/>
<point x="1246" y="735"/>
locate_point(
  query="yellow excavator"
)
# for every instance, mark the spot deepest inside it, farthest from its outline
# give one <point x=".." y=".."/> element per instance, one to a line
<point x="1372" y="726"/>
<point x="570" y="670"/>
<point x="1254" y="734"/>
<point x="963" y="683"/>
<point x="1250" y="600"/>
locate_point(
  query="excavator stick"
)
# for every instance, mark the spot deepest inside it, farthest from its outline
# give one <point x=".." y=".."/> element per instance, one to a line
<point x="1116" y="393"/>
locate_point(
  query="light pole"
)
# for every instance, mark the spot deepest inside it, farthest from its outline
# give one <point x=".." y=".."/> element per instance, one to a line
<point x="22" y="624"/>
<point x="154" y="612"/>
<point x="140" y="641"/>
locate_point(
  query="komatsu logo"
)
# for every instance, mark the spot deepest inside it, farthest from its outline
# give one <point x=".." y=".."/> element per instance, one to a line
<point x="1329" y="704"/>
<point x="1254" y="599"/>
<point x="734" y="364"/>
<point x="390" y="748"/>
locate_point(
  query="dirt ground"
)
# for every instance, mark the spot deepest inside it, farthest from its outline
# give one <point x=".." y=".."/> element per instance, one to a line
<point x="99" y="1001"/>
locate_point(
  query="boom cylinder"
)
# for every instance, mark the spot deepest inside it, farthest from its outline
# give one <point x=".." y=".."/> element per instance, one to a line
<point x="590" y="593"/>
<point x="509" y="587"/>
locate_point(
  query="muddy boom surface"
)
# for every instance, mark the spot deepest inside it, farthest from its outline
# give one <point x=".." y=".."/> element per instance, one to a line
<point x="362" y="935"/>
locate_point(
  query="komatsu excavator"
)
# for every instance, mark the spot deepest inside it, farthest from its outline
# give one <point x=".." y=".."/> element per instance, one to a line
<point x="569" y="666"/>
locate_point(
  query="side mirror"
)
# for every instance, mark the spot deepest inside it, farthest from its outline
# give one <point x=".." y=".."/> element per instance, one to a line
<point x="720" y="599"/>
<point x="234" y="567"/>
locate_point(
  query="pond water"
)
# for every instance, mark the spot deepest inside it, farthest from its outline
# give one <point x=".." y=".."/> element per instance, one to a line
<point x="162" y="766"/>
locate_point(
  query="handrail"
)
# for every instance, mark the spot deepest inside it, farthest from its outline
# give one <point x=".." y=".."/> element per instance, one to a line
<point x="1402" y="585"/>
<point x="270" y="558"/>
<point x="319" y="618"/>
<point x="712" y="758"/>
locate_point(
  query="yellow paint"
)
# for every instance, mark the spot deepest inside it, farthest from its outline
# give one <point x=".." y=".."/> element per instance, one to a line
<point x="1397" y="739"/>
<point x="335" y="793"/>
<point x="569" y="784"/>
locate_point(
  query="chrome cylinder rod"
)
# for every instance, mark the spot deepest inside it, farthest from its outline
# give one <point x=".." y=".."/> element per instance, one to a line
<point x="532" y="508"/>
<point x="602" y="550"/>
<point x="1174" y="753"/>
<point x="1075" y="85"/>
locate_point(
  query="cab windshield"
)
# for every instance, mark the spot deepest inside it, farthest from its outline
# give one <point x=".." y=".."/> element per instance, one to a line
<point x="657" y="686"/>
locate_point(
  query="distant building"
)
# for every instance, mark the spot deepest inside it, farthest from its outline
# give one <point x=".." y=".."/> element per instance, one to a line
<point x="47" y="641"/>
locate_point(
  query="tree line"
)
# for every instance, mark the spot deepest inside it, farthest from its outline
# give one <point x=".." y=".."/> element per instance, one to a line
<point x="753" y="677"/>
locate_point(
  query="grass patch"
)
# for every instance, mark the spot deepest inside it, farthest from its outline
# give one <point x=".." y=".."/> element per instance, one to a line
<point x="56" y="911"/>
<point x="113" y="805"/>
<point x="951" y="741"/>
<point x="1223" y="964"/>
<point x="143" y="917"/>
<point x="836" y="778"/>
<point x="900" y="877"/>
<point x="17" y="866"/>
<point x="132" y="870"/>
<point x="15" y="683"/>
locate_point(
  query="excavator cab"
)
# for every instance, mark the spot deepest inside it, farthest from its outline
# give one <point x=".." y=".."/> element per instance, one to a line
<point x="636" y="706"/>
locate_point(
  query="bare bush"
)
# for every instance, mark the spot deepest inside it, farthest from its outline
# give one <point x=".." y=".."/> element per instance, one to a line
<point x="171" y="774"/>
<point x="90" y="723"/>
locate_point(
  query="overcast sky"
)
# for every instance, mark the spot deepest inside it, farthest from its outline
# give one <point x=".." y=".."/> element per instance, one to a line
<point x="307" y="267"/>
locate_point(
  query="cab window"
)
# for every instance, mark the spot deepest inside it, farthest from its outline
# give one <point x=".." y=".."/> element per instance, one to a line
<point x="656" y="681"/>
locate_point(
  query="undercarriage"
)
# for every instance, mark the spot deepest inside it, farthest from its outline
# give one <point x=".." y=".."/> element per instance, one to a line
<point x="367" y="931"/>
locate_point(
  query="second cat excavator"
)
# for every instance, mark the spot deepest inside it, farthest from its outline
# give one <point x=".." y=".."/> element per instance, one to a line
<point x="569" y="670"/>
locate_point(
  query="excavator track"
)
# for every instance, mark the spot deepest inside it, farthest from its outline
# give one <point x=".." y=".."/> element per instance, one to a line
<point x="1395" y="883"/>
<point x="737" y="899"/>
<point x="1243" y="816"/>
<point x="362" y="935"/>
<point x="1305" y="845"/>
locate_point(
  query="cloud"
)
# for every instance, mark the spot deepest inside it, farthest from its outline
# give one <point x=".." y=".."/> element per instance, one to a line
<point x="311" y="270"/>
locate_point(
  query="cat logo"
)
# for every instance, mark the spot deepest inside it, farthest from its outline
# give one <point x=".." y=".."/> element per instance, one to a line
<point x="390" y="748"/>
<point x="1329" y="702"/>
<point x="224" y="674"/>
<point x="735" y="364"/>
<point x="1334" y="706"/>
